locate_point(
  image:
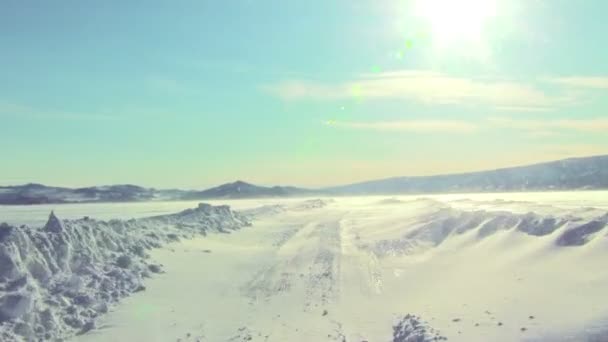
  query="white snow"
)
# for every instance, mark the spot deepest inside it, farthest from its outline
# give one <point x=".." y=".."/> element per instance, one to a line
<point x="37" y="215"/>
<point x="56" y="280"/>
<point x="469" y="267"/>
<point x="518" y="267"/>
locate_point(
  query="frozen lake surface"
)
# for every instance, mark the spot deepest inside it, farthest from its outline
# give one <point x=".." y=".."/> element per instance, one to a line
<point x="38" y="214"/>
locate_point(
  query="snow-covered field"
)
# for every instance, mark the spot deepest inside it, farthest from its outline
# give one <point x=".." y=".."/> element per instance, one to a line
<point x="478" y="267"/>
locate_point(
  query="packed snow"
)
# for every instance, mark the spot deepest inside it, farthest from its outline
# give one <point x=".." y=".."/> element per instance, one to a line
<point x="467" y="267"/>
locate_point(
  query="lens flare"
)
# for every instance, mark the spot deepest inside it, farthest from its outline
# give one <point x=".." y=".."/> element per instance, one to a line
<point x="457" y="21"/>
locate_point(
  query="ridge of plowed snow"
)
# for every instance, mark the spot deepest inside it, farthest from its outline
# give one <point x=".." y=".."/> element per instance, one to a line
<point x="56" y="280"/>
<point x="442" y="222"/>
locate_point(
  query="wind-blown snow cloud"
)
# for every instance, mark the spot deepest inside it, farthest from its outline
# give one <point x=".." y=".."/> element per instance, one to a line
<point x="414" y="126"/>
<point x="426" y="87"/>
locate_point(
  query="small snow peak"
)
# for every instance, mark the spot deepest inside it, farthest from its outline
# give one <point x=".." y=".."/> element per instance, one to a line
<point x="204" y="207"/>
<point x="5" y="231"/>
<point x="239" y="184"/>
<point x="53" y="224"/>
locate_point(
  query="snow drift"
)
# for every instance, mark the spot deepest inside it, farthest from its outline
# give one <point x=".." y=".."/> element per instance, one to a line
<point x="444" y="221"/>
<point x="56" y="280"/>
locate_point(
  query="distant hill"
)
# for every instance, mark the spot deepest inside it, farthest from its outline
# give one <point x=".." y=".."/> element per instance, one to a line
<point x="240" y="189"/>
<point x="568" y="174"/>
<point x="39" y="194"/>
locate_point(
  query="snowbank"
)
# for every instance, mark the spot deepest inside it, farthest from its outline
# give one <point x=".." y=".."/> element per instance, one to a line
<point x="433" y="228"/>
<point x="411" y="328"/>
<point x="56" y="280"/>
<point x="275" y="209"/>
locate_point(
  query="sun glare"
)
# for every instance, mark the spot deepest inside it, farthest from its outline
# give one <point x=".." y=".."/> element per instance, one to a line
<point x="456" y="21"/>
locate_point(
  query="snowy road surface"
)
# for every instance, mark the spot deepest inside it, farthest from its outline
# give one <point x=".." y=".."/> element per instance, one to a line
<point x="347" y="269"/>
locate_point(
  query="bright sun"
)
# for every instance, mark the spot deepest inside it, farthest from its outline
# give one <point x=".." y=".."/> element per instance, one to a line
<point x="456" y="21"/>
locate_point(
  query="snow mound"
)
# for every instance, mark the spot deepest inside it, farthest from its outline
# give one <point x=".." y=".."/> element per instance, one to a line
<point x="275" y="209"/>
<point x="433" y="228"/>
<point x="411" y="328"/>
<point x="310" y="204"/>
<point x="265" y="210"/>
<point x="56" y="280"/>
<point x="582" y="233"/>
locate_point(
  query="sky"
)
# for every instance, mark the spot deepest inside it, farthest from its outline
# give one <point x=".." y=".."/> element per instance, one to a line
<point x="191" y="94"/>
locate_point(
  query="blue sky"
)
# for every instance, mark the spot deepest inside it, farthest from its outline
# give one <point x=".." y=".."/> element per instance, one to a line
<point x="195" y="93"/>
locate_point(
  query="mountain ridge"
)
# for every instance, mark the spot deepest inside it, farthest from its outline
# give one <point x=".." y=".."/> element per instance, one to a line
<point x="566" y="174"/>
<point x="241" y="189"/>
<point x="585" y="173"/>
